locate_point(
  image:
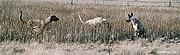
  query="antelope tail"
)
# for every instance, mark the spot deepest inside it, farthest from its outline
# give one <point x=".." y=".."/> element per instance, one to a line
<point x="80" y="19"/>
<point x="20" y="17"/>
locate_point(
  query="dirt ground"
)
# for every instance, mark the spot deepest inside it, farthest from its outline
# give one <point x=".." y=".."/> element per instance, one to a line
<point x="158" y="22"/>
<point x="138" y="47"/>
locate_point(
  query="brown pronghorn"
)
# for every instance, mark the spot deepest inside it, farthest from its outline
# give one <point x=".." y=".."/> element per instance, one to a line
<point x="30" y="22"/>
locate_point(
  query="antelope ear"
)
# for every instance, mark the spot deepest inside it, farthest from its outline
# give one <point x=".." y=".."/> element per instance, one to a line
<point x="131" y="14"/>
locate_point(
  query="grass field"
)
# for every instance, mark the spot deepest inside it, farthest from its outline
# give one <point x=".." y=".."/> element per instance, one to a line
<point x="70" y="37"/>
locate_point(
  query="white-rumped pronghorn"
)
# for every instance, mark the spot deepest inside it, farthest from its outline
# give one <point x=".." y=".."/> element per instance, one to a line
<point x="93" y="22"/>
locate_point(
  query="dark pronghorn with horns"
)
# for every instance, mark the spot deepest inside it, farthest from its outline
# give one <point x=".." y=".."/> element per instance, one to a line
<point x="137" y="26"/>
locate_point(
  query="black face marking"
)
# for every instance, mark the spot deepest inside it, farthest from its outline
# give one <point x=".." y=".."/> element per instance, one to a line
<point x="129" y="17"/>
<point x="127" y="20"/>
<point x="54" y="18"/>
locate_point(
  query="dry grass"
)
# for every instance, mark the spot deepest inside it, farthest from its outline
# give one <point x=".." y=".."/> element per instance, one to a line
<point x="123" y="48"/>
<point x="159" y="22"/>
<point x="15" y="39"/>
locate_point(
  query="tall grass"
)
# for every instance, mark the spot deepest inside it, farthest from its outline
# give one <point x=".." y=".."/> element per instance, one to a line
<point x="159" y="22"/>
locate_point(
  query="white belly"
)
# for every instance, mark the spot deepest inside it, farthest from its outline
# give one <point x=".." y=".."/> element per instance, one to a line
<point x="135" y="27"/>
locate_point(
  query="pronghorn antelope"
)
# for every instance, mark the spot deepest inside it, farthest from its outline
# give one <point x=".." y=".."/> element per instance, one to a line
<point x="42" y="23"/>
<point x="93" y="22"/>
<point x="137" y="26"/>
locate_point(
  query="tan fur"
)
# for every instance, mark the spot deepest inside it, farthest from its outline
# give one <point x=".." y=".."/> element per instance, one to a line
<point x="42" y="23"/>
<point x="93" y="22"/>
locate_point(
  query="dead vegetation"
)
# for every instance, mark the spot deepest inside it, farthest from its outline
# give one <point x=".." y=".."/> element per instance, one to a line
<point x="158" y="21"/>
<point x="70" y="33"/>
